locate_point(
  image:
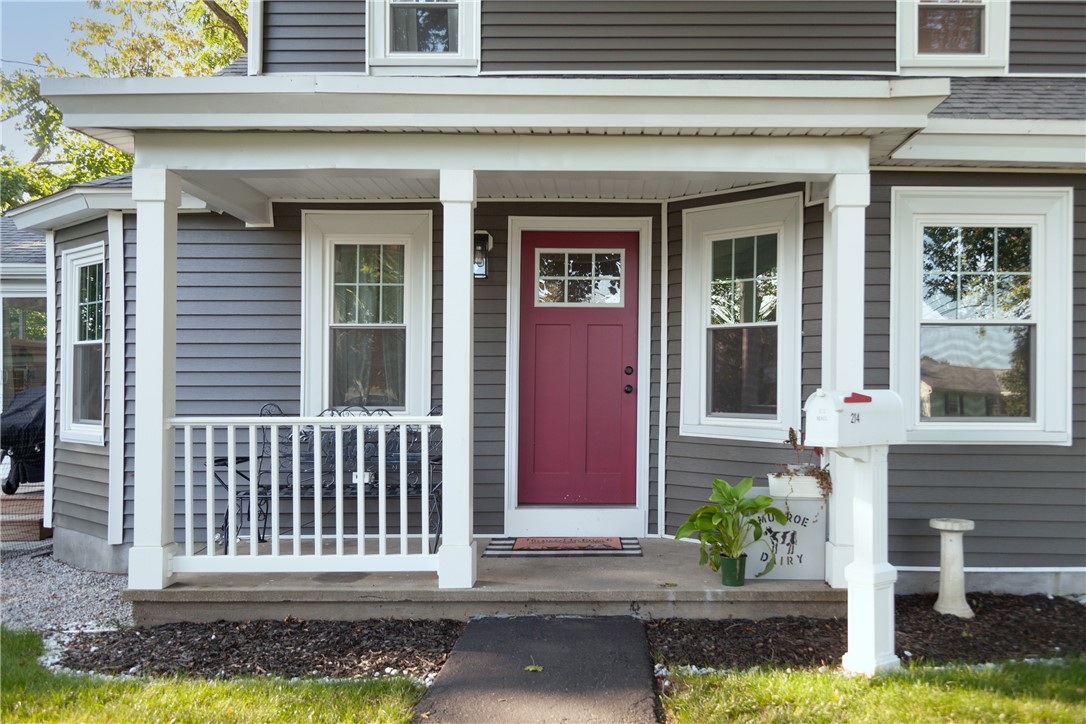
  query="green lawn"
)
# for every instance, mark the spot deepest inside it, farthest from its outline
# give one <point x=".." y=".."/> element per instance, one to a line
<point x="1050" y="692"/>
<point x="28" y="692"/>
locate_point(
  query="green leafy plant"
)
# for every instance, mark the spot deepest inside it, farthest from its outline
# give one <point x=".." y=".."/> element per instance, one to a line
<point x="730" y="523"/>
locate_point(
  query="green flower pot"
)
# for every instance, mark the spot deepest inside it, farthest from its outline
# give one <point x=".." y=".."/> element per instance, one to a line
<point x="733" y="571"/>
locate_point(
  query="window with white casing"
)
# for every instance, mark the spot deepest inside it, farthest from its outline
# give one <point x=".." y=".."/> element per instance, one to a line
<point x="407" y="36"/>
<point x="367" y="308"/>
<point x="82" y="344"/>
<point x="954" y="37"/>
<point x="980" y="324"/>
<point x="740" y="318"/>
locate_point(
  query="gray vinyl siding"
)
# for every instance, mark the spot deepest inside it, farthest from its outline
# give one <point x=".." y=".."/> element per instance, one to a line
<point x="1048" y="36"/>
<point x="1029" y="502"/>
<point x="690" y="35"/>
<point x="80" y="471"/>
<point x="314" y="36"/>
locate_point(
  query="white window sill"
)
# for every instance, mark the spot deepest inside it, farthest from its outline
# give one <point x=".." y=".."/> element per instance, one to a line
<point x="84" y="435"/>
<point x="424" y="60"/>
<point x="996" y="434"/>
<point x="771" y="431"/>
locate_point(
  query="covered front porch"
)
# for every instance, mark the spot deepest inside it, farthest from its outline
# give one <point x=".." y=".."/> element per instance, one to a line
<point x="341" y="146"/>
<point x="665" y="582"/>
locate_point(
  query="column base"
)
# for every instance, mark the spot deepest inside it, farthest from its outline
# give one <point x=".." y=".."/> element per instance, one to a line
<point x="150" y="568"/>
<point x="869" y="665"/>
<point x="456" y="565"/>
<point x="838" y="557"/>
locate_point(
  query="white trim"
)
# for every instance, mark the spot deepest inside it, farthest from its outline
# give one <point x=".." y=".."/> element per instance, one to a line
<point x="116" y="388"/>
<point x="78" y="204"/>
<point x="1049" y="212"/>
<point x="1035" y="143"/>
<point x="782" y="215"/>
<point x="996" y="41"/>
<point x="319" y="229"/>
<point x="564" y="520"/>
<point x="255" y="51"/>
<point x="661" y="424"/>
<point x="53" y="347"/>
<point x="380" y="60"/>
<point x="70" y="261"/>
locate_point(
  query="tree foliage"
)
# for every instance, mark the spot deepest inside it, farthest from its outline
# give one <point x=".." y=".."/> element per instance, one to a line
<point x="127" y="38"/>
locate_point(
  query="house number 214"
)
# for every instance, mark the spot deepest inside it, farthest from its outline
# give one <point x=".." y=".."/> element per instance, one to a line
<point x="855" y="417"/>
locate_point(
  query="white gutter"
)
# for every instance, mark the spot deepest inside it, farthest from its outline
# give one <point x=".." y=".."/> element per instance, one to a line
<point x="78" y="204"/>
<point x="1054" y="143"/>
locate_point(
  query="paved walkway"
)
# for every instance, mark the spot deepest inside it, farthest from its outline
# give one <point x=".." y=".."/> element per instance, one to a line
<point x="589" y="670"/>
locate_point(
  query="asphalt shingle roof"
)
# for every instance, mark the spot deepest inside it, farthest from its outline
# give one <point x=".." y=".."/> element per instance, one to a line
<point x="1059" y="99"/>
<point x="20" y="246"/>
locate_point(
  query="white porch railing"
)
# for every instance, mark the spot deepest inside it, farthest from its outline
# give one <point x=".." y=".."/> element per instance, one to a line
<point x="286" y="494"/>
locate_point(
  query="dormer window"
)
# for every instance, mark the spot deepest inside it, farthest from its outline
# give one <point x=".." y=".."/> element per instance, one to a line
<point x="436" y="37"/>
<point x="953" y="37"/>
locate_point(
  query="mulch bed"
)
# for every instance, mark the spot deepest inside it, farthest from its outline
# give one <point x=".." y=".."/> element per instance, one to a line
<point x="1005" y="627"/>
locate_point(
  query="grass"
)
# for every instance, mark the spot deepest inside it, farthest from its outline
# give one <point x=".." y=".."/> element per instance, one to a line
<point x="30" y="693"/>
<point x="1020" y="692"/>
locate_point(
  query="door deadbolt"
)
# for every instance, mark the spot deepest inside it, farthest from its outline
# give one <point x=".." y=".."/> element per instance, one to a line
<point x="628" y="389"/>
<point x="628" y="370"/>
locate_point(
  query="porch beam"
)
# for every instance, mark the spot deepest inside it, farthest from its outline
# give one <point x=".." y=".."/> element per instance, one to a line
<point x="456" y="556"/>
<point x="254" y="154"/>
<point x="232" y="196"/>
<point x="157" y="193"/>
<point x="843" y="341"/>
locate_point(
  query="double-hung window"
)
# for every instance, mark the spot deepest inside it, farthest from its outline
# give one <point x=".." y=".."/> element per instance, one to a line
<point x="981" y="314"/>
<point x="83" y="344"/>
<point x="409" y="34"/>
<point x="959" y="37"/>
<point x="741" y="271"/>
<point x="366" y="311"/>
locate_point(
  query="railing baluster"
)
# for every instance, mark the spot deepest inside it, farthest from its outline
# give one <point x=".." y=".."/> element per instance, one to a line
<point x="404" y="444"/>
<point x="190" y="506"/>
<point x="360" y="488"/>
<point x="382" y="502"/>
<point x="209" y="483"/>
<point x="296" y="491"/>
<point x="254" y="500"/>
<point x="273" y="482"/>
<point x="424" y="488"/>
<point x="339" y="490"/>
<point x="318" y="480"/>
<point x="232" y="488"/>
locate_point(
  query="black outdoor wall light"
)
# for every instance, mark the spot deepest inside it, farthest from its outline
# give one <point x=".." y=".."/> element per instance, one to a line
<point x="480" y="265"/>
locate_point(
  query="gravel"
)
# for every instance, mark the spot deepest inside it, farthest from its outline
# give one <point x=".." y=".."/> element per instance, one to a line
<point x="41" y="593"/>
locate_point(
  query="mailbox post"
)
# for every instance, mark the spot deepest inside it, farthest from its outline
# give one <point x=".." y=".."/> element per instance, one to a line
<point x="858" y="428"/>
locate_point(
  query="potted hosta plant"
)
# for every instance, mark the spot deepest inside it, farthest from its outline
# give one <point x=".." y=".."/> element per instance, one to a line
<point x="729" y="524"/>
<point x="807" y="477"/>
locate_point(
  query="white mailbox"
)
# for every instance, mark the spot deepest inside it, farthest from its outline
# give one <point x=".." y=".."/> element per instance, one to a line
<point x="854" y="419"/>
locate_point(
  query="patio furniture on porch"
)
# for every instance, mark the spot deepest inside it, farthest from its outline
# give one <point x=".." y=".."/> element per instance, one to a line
<point x="325" y="463"/>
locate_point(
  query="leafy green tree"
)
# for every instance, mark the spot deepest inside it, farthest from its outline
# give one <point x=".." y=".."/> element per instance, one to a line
<point x="137" y="38"/>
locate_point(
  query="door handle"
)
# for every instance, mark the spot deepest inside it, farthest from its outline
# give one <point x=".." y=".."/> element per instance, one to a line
<point x="628" y="389"/>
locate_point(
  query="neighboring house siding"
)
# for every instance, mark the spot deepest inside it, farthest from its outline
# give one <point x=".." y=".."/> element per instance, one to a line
<point x="689" y="35"/>
<point x="305" y="36"/>
<point x="1048" y="36"/>
<point x="1029" y="502"/>
<point x="80" y="472"/>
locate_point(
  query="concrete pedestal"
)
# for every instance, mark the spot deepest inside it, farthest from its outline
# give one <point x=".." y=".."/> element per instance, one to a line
<point x="951" y="598"/>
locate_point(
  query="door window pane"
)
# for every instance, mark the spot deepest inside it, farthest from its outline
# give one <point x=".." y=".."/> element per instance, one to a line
<point x="951" y="26"/>
<point x="979" y="371"/>
<point x="579" y="278"/>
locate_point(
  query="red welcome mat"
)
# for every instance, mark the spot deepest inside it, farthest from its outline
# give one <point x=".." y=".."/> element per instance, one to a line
<point x="574" y="547"/>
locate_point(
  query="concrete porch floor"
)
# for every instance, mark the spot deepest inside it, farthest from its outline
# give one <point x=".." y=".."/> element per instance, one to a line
<point x="665" y="582"/>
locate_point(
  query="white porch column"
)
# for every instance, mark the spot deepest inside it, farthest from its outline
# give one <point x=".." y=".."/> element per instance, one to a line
<point x="456" y="557"/>
<point x="157" y="193"/>
<point x="843" y="341"/>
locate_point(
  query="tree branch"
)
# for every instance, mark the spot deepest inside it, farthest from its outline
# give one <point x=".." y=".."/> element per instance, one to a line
<point x="230" y="21"/>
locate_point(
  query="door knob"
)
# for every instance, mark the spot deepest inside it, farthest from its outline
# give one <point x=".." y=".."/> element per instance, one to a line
<point x="628" y="389"/>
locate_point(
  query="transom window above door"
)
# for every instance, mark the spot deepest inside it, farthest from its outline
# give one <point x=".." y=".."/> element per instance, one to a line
<point x="579" y="277"/>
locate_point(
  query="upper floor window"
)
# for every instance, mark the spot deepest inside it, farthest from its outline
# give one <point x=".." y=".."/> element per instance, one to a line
<point x="980" y="319"/>
<point x="740" y="319"/>
<point x="956" y="37"/>
<point x="82" y="344"/>
<point x="409" y="34"/>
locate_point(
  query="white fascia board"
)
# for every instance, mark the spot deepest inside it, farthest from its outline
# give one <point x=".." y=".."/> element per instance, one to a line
<point x="257" y="153"/>
<point x="77" y="205"/>
<point x="1058" y="144"/>
<point x="361" y="103"/>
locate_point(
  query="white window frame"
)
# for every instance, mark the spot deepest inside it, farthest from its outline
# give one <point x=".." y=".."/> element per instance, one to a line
<point x="782" y="215"/>
<point x="381" y="60"/>
<point x="996" y="40"/>
<point x="1048" y="213"/>
<point x="71" y="262"/>
<point x="321" y="230"/>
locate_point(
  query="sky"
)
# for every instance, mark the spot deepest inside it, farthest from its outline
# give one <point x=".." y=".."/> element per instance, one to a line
<point x="28" y="28"/>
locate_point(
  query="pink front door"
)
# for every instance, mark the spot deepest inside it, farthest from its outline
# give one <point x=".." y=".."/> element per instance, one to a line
<point x="578" y="368"/>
